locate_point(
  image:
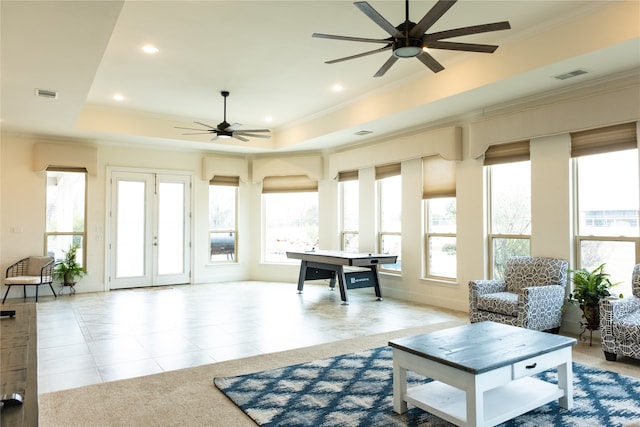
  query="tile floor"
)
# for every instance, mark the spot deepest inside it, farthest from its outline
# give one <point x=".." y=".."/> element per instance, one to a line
<point x="92" y="338"/>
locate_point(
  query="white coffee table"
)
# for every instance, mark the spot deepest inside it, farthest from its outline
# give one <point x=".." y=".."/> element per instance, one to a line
<point x="482" y="372"/>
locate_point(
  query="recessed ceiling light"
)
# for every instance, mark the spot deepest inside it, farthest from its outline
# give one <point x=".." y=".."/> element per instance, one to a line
<point x="268" y="119"/>
<point x="118" y="97"/>
<point x="150" y="49"/>
<point x="337" y="87"/>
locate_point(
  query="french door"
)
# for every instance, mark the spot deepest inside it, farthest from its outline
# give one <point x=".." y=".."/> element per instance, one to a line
<point x="150" y="226"/>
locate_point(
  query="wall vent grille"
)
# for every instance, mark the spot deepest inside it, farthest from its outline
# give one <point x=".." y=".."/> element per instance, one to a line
<point x="570" y="74"/>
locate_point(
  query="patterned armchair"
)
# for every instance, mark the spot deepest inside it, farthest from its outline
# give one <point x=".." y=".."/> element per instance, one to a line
<point x="620" y="322"/>
<point x="530" y="296"/>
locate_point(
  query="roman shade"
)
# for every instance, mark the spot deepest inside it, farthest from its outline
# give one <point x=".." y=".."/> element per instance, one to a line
<point x="604" y="140"/>
<point x="288" y="184"/>
<point x="507" y="153"/>
<point x="225" y="180"/>
<point x="438" y="177"/>
<point x="348" y="176"/>
<point x="386" y="171"/>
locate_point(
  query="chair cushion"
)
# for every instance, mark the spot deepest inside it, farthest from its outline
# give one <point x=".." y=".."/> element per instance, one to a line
<point x="23" y="280"/>
<point x="35" y="265"/>
<point x="499" y="302"/>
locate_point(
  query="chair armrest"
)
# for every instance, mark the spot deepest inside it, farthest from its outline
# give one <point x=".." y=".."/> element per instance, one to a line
<point x="17" y="268"/>
<point x="481" y="287"/>
<point x="548" y="293"/>
<point x="540" y="307"/>
<point x="47" y="270"/>
<point x="616" y="308"/>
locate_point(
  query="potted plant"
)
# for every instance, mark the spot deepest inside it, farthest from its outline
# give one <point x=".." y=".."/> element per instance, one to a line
<point x="68" y="269"/>
<point x="589" y="287"/>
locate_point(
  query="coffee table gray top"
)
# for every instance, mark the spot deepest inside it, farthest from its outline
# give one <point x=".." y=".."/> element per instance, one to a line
<point x="481" y="347"/>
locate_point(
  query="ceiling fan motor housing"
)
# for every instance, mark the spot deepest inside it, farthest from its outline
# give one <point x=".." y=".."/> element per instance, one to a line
<point x="407" y="47"/>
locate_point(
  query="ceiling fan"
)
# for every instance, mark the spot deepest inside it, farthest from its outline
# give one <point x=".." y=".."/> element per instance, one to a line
<point x="409" y="40"/>
<point x="225" y="130"/>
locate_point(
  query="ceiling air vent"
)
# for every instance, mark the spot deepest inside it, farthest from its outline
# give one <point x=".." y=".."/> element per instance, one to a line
<point x="363" y="132"/>
<point x="51" y="94"/>
<point x="570" y="74"/>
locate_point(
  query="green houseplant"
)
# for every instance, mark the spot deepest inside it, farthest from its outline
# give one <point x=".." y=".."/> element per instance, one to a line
<point x="589" y="287"/>
<point x="68" y="269"/>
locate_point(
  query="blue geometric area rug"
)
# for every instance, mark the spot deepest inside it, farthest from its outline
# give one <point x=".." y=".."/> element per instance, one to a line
<point x="357" y="390"/>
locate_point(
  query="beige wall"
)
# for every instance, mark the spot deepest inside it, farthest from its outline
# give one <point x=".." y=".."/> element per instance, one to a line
<point x="23" y="194"/>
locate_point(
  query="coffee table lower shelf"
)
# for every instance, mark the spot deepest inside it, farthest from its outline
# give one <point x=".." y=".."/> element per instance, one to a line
<point x="500" y="404"/>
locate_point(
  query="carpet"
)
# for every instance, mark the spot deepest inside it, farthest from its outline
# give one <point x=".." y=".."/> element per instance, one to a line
<point x="356" y="390"/>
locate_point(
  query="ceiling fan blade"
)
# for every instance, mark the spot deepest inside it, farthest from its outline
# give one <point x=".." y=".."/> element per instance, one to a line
<point x="349" y="38"/>
<point x="373" y="14"/>
<point x="465" y="31"/>
<point x="430" y="62"/>
<point x="205" y="125"/>
<point x="242" y="131"/>
<point x="467" y="47"/>
<point x="197" y="133"/>
<point x="359" y="55"/>
<point x="251" y="135"/>
<point x="431" y="17"/>
<point x="232" y="127"/>
<point x="180" y="127"/>
<point x="385" y="67"/>
<point x="240" y="138"/>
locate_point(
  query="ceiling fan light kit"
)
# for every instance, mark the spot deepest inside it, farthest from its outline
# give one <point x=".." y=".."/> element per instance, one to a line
<point x="224" y="130"/>
<point x="411" y="40"/>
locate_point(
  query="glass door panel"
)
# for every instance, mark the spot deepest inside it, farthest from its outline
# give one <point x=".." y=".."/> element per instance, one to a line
<point x="149" y="229"/>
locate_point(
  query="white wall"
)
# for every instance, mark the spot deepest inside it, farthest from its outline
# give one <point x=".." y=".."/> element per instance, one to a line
<point x="23" y="195"/>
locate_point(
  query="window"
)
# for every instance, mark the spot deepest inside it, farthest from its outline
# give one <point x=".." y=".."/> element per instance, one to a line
<point x="607" y="203"/>
<point x="438" y="193"/>
<point x="350" y="200"/>
<point x="509" y="181"/>
<point x="65" y="212"/>
<point x="223" y="202"/>
<point x="290" y="216"/>
<point x="389" y="183"/>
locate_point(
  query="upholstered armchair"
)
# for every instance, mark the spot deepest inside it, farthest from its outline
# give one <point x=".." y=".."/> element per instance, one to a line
<point x="620" y="322"/>
<point x="530" y="296"/>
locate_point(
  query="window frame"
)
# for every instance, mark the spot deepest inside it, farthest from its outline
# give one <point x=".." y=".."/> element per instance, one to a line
<point x="234" y="255"/>
<point x="264" y="228"/>
<point x="82" y="234"/>
<point x="382" y="233"/>
<point x="578" y="237"/>
<point x="428" y="234"/>
<point x="344" y="232"/>
<point x="491" y="236"/>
